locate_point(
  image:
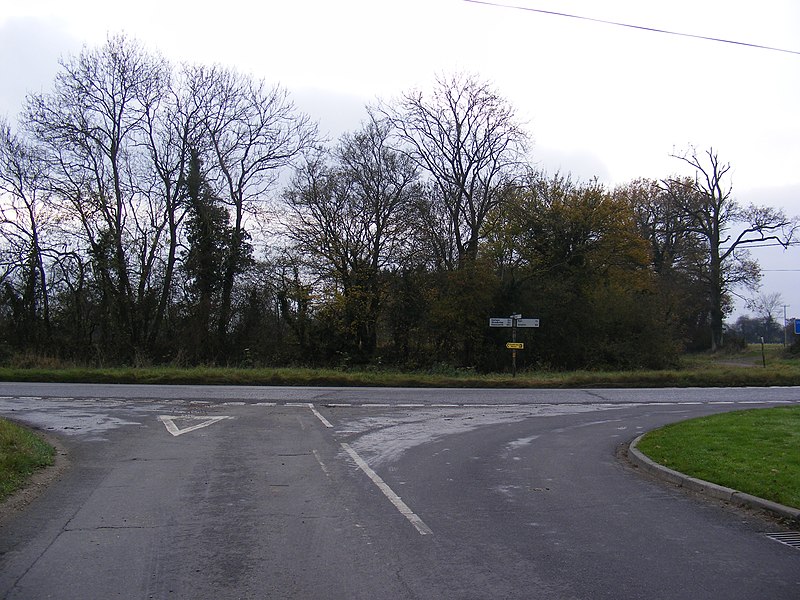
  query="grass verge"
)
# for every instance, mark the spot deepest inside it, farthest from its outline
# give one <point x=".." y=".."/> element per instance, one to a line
<point x="22" y="453"/>
<point x="744" y="368"/>
<point x="695" y="371"/>
<point x="753" y="451"/>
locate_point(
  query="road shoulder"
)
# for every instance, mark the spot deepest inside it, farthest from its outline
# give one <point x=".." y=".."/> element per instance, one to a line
<point x="39" y="481"/>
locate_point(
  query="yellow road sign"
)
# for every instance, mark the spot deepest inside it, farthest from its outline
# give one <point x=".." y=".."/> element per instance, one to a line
<point x="515" y="345"/>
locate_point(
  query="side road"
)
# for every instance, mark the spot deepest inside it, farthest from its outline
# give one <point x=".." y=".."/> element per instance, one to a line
<point x="709" y="489"/>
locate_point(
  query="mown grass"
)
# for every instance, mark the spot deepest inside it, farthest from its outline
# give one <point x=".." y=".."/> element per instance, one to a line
<point x="753" y="451"/>
<point x="22" y="453"/>
<point x="704" y="370"/>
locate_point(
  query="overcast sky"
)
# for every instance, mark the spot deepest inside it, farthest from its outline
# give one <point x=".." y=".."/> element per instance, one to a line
<point x="599" y="100"/>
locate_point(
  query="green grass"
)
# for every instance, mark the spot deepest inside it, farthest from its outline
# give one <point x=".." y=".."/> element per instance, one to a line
<point x="753" y="451"/>
<point x="22" y="453"/>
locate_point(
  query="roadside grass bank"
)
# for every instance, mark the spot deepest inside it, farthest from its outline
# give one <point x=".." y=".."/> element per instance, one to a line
<point x="22" y="453"/>
<point x="754" y="451"/>
<point x="699" y="370"/>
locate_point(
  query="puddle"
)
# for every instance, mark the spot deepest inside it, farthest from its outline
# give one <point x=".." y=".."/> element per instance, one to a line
<point x="74" y="416"/>
<point x="385" y="437"/>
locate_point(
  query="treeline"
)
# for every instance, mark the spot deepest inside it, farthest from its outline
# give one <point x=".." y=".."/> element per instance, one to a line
<point x="192" y="215"/>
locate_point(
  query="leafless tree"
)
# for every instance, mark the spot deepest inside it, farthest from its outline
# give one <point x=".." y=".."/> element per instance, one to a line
<point x="253" y="132"/>
<point x="766" y="306"/>
<point x="26" y="220"/>
<point x="712" y="213"/>
<point x="467" y="138"/>
<point x="91" y="127"/>
<point x="172" y="131"/>
<point x="351" y="219"/>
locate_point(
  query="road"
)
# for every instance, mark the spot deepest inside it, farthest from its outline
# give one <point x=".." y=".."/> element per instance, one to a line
<point x="227" y="492"/>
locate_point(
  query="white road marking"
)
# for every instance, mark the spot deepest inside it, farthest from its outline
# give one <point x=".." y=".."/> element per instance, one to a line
<point x="768" y="402"/>
<point x="401" y="506"/>
<point x="169" y="423"/>
<point x="319" y="416"/>
<point x="321" y="464"/>
<point x="603" y="422"/>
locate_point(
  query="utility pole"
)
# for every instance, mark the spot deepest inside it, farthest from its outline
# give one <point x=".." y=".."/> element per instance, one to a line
<point x="785" y="327"/>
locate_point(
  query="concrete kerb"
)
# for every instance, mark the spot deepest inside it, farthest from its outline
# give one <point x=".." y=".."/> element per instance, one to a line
<point x="707" y="488"/>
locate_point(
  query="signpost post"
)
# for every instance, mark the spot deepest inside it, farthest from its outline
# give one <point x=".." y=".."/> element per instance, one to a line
<point x="513" y="321"/>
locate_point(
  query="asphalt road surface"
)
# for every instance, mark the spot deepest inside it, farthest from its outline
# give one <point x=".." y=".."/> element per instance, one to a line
<point x="223" y="492"/>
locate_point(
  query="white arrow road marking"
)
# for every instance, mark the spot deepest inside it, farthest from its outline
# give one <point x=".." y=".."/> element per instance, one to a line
<point x="169" y="423"/>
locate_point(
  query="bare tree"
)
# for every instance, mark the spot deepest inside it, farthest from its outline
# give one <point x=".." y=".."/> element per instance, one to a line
<point x="253" y="132"/>
<point x="91" y="127"/>
<point x="25" y="221"/>
<point x="351" y="219"/>
<point x="467" y="138"/>
<point x="766" y="306"/>
<point x="172" y="131"/>
<point x="712" y="213"/>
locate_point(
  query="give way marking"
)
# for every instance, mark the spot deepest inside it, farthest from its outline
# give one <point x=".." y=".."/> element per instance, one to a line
<point x="169" y="423"/>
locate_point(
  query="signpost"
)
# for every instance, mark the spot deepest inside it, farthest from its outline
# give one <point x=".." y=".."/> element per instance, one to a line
<point x="513" y="321"/>
<point x="797" y="326"/>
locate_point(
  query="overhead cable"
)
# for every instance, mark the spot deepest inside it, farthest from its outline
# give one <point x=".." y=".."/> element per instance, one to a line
<point x="630" y="26"/>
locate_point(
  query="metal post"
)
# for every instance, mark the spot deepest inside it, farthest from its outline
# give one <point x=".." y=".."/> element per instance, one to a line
<point x="514" y="351"/>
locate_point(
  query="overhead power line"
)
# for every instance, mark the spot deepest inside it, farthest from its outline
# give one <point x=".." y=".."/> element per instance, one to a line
<point x="631" y="26"/>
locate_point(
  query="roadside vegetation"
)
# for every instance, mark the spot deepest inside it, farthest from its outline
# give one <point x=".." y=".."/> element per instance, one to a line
<point x="185" y="215"/>
<point x="22" y="453"/>
<point x="745" y="368"/>
<point x="753" y="451"/>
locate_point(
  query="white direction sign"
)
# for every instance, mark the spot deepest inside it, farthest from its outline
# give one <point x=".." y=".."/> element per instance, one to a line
<point x="496" y="322"/>
<point x="509" y="322"/>
<point x="169" y="423"/>
<point x="527" y="322"/>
